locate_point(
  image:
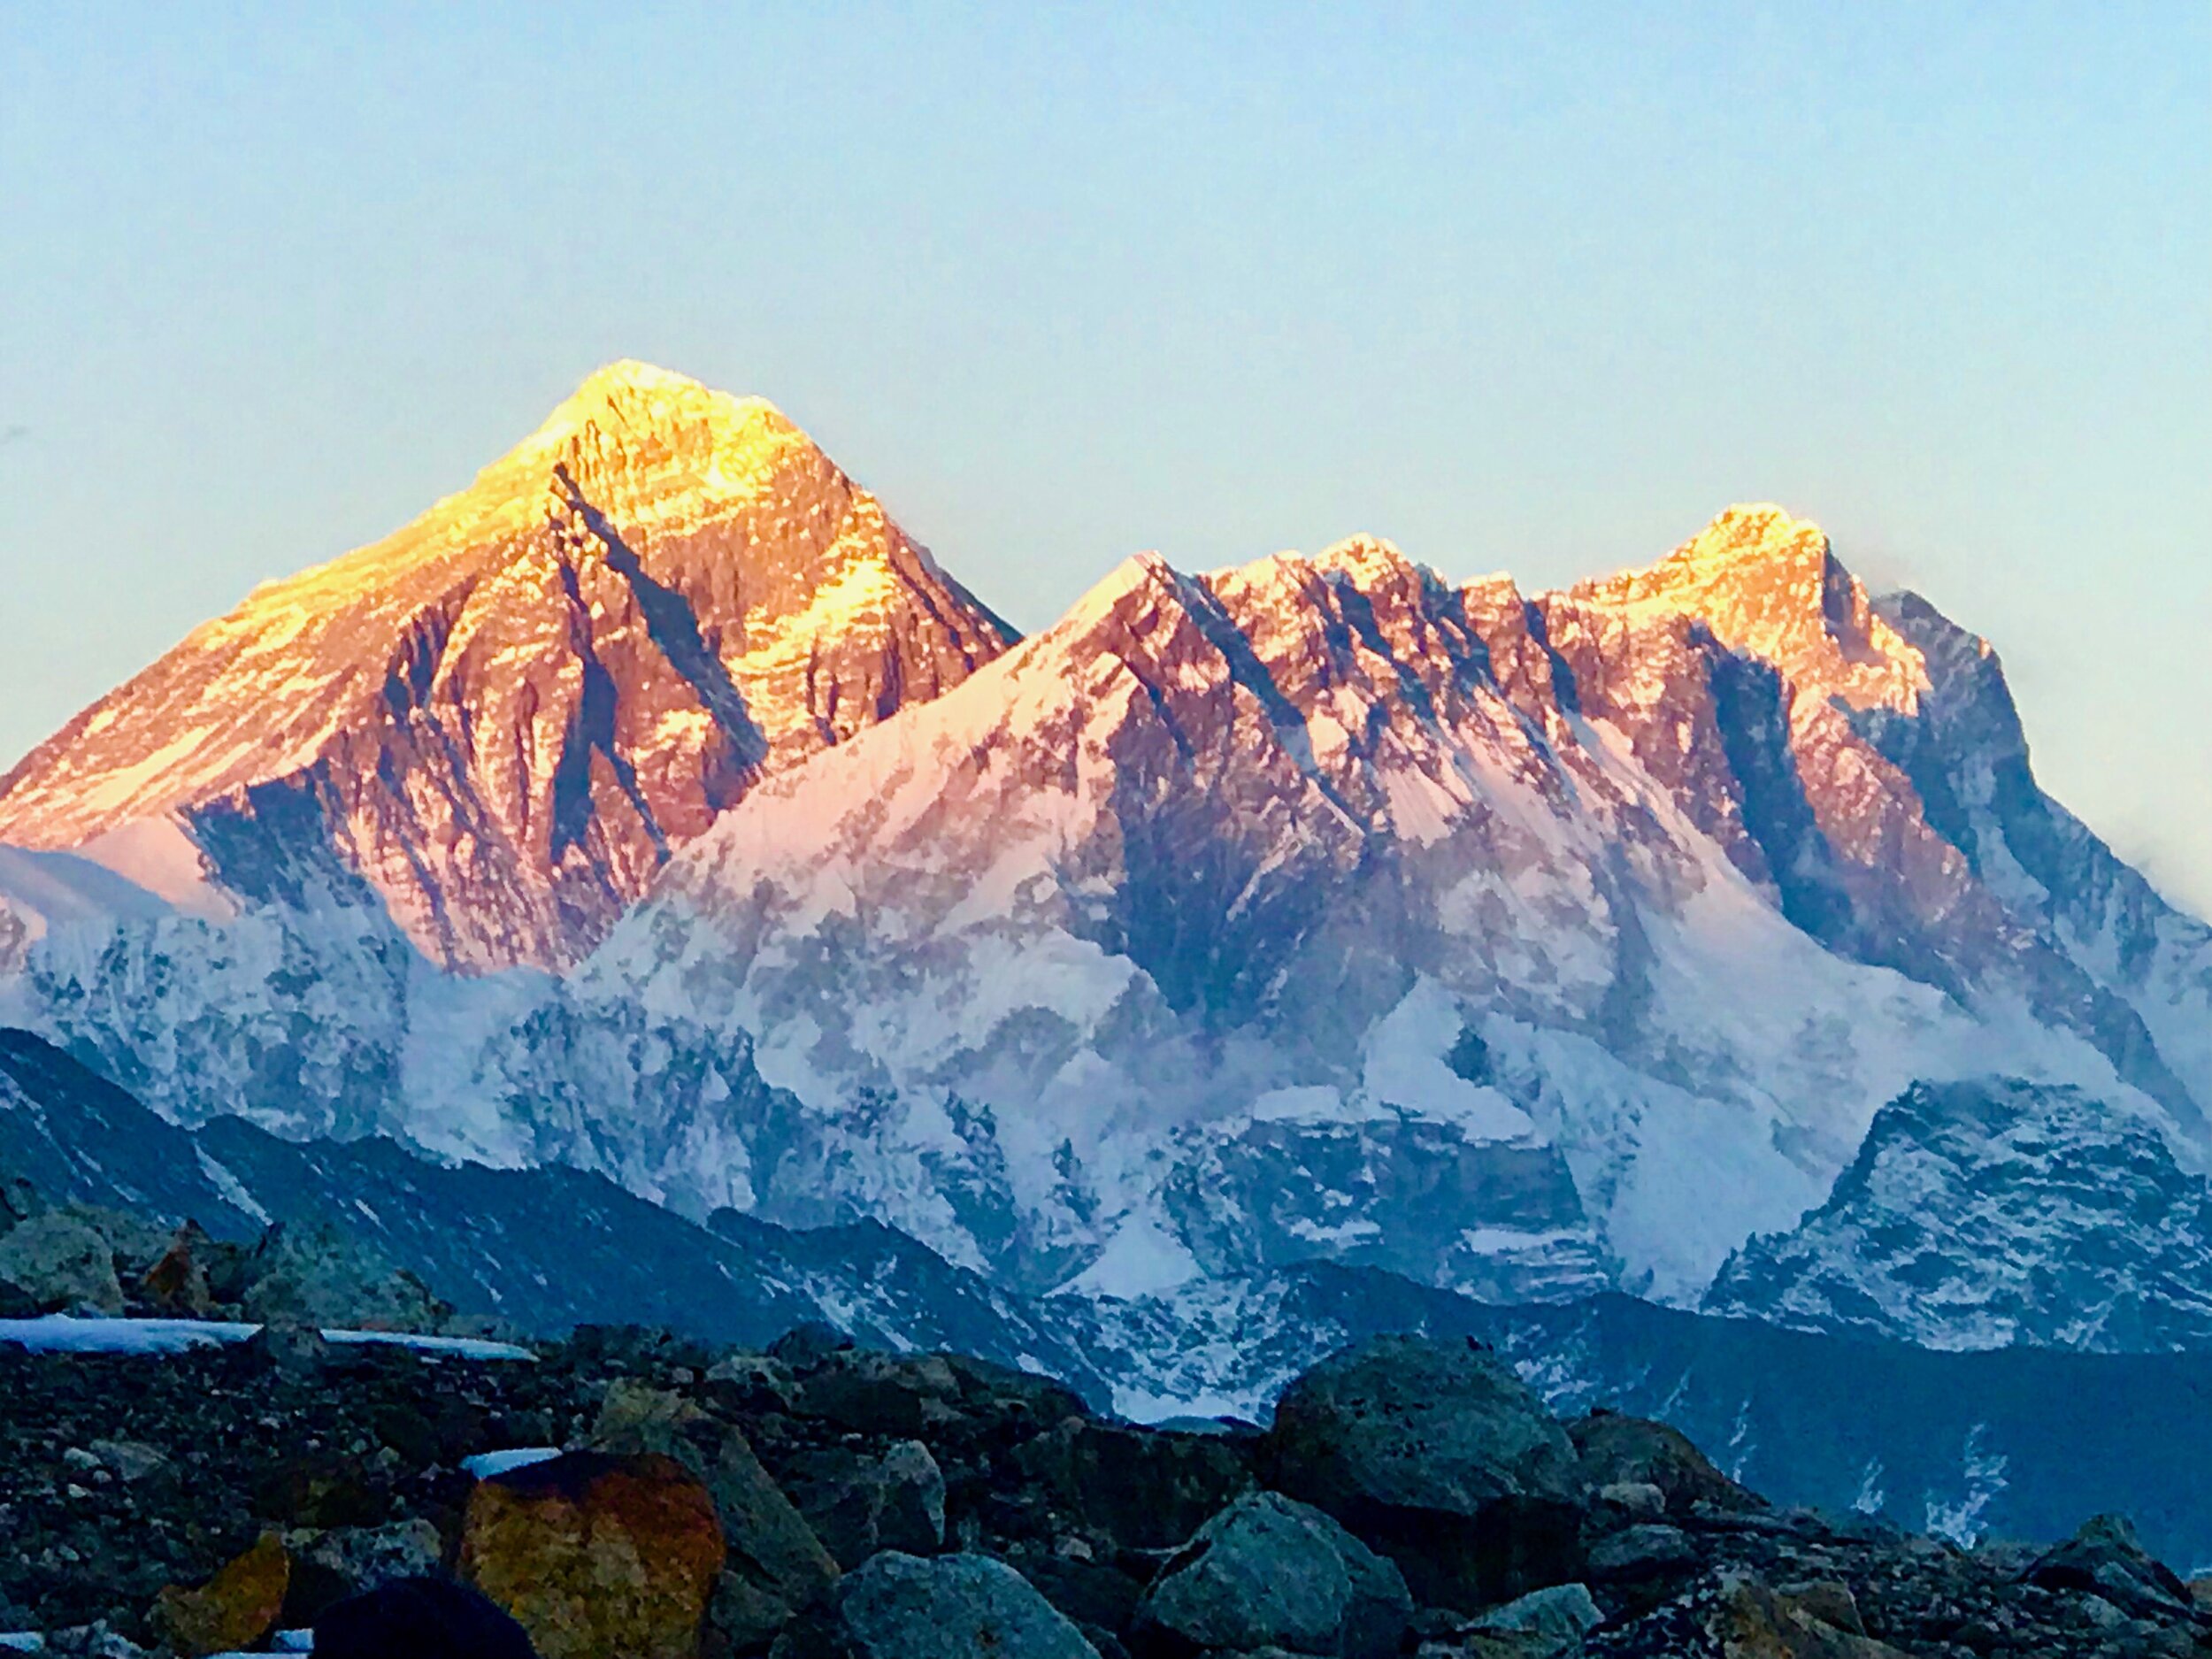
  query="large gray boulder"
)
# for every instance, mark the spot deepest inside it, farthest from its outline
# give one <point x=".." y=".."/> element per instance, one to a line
<point x="325" y="1277"/>
<point x="1624" y="1451"/>
<point x="1271" y="1572"/>
<point x="61" y="1264"/>
<point x="2106" y="1558"/>
<point x="897" y="1606"/>
<point x="1546" y="1622"/>
<point x="1435" y="1454"/>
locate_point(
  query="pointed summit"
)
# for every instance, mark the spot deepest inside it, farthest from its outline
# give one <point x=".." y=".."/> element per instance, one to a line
<point x="1767" y="583"/>
<point x="505" y="715"/>
<point x="638" y="401"/>
<point x="1751" y="533"/>
<point x="632" y="377"/>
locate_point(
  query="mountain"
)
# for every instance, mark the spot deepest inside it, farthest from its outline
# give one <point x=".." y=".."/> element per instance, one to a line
<point x="544" y="1249"/>
<point x="1516" y="942"/>
<point x="1989" y="1213"/>
<point x="73" y="1135"/>
<point x="1526" y="945"/>
<point x="503" y="717"/>
<point x="2017" y="1443"/>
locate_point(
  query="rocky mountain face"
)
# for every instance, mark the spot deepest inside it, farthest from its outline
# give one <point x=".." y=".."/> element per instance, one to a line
<point x="1524" y="944"/>
<point x="1988" y="1213"/>
<point x="503" y="718"/>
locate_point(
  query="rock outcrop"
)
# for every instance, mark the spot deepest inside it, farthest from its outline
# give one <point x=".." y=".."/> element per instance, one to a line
<point x="1271" y="1572"/>
<point x="1437" y="1455"/>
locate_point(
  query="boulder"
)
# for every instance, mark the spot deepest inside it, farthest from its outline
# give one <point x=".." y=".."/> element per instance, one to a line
<point x="1546" y="1622"/>
<point x="61" y="1262"/>
<point x="899" y="1396"/>
<point x="1269" y="1571"/>
<point x="1829" y="1600"/>
<point x="1098" y="1594"/>
<point x="1635" y="1554"/>
<point x="134" y="1241"/>
<point x="1754" y="1621"/>
<point x="953" y="1607"/>
<point x="1142" y="1489"/>
<point x="775" y="1565"/>
<point x="1622" y="1452"/>
<point x="804" y="1347"/>
<point x="419" y="1618"/>
<point x="2106" y="1558"/>
<point x="924" y="1396"/>
<point x="1011" y="1402"/>
<point x="858" y="1502"/>
<point x="176" y="1285"/>
<point x="597" y="1554"/>
<point x="752" y="1381"/>
<point x="1437" y="1455"/>
<point x="323" y="1276"/>
<point x="294" y="1347"/>
<point x="234" y="1608"/>
<point x="130" y="1462"/>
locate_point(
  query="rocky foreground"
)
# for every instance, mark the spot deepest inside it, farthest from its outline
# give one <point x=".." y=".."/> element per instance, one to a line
<point x="1411" y="1496"/>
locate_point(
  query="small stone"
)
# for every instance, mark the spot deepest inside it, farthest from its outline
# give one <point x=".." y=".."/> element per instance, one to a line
<point x="1549" y="1621"/>
<point x="1639" y="1498"/>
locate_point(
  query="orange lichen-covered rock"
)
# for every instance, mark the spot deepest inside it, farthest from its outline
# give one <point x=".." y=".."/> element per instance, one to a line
<point x="234" y="1608"/>
<point x="597" y="1554"/>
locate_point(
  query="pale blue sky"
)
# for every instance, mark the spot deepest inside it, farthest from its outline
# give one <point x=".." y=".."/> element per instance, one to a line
<point x="1523" y="288"/>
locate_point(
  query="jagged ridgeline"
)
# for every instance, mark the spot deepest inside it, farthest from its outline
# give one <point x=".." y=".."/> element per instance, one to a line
<point x="1529" y="944"/>
<point x="649" y="888"/>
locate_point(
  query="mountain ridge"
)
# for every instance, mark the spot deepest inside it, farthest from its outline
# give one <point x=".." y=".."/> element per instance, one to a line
<point x="1528" y="943"/>
<point x="509" y="711"/>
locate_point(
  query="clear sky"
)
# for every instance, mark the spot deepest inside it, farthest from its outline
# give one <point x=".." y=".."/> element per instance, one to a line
<point x="1527" y="288"/>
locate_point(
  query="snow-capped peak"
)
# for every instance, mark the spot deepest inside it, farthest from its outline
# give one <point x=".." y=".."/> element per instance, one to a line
<point x="1364" y="558"/>
<point x="527" y="696"/>
<point x="668" y="424"/>
<point x="1766" y="583"/>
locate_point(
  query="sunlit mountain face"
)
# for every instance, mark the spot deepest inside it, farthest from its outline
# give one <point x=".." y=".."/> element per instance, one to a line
<point x="505" y="716"/>
<point x="657" y="807"/>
